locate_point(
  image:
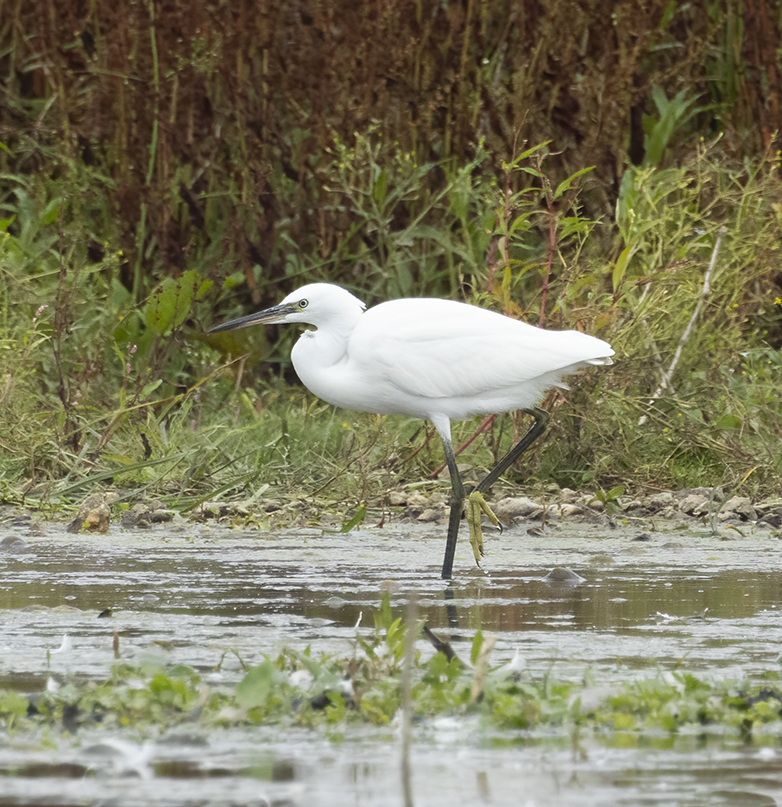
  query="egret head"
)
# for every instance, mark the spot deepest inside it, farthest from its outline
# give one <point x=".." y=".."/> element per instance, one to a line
<point x="315" y="304"/>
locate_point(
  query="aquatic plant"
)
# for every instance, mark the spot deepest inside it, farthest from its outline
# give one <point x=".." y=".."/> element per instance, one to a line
<point x="332" y="693"/>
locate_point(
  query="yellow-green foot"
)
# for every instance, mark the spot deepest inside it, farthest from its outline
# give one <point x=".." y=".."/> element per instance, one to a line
<point x="475" y="505"/>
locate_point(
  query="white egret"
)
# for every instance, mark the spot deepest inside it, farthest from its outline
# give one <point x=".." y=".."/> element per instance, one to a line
<point x="438" y="360"/>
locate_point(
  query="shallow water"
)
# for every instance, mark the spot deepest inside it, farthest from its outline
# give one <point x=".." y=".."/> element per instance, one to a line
<point x="189" y="593"/>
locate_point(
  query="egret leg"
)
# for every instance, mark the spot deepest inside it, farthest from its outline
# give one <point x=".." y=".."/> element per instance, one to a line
<point x="476" y="504"/>
<point x="535" y="430"/>
<point x="457" y="505"/>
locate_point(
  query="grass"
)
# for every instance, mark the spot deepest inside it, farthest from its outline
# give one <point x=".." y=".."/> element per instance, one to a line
<point x="97" y="391"/>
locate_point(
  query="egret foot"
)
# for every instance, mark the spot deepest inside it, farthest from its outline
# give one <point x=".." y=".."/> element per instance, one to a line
<point x="475" y="505"/>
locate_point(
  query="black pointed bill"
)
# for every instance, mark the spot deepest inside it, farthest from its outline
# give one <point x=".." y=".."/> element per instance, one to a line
<point x="277" y="313"/>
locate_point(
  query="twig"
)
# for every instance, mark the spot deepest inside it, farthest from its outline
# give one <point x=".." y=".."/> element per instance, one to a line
<point x="481" y="668"/>
<point x="407" y="697"/>
<point x="685" y="337"/>
<point x="156" y="87"/>
<point x="503" y="216"/>
<point x="441" y="645"/>
<point x="552" y="237"/>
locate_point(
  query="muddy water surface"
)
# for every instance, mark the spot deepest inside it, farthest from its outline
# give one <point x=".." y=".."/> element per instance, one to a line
<point x="195" y="594"/>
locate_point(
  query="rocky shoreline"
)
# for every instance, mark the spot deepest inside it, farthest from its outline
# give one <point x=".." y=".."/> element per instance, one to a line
<point x="705" y="505"/>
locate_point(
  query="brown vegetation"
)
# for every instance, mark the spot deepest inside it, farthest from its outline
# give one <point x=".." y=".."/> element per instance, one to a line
<point x="209" y="124"/>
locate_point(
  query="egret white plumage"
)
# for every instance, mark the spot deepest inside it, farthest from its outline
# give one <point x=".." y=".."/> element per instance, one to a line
<point x="434" y="359"/>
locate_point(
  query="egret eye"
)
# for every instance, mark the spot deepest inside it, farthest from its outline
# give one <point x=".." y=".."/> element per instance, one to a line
<point x="303" y="303"/>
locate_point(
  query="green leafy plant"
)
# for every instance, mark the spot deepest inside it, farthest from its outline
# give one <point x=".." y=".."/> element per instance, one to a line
<point x="298" y="688"/>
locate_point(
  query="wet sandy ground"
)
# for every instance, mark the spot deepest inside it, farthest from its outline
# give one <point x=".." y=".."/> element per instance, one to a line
<point x="189" y="593"/>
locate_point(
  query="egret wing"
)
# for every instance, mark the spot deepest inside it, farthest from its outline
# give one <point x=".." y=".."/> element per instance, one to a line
<point x="440" y="348"/>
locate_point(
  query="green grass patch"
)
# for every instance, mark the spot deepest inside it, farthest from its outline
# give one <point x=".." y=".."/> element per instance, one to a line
<point x="101" y="387"/>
